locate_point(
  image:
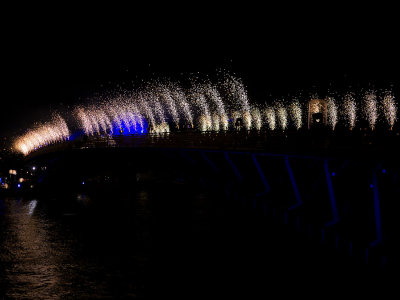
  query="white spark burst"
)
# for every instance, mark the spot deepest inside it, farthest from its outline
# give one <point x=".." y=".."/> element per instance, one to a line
<point x="296" y="114"/>
<point x="281" y="112"/>
<point x="165" y="105"/>
<point x="270" y="117"/>
<point x="41" y="135"/>
<point x="216" y="99"/>
<point x="349" y="111"/>
<point x="200" y="100"/>
<point x="169" y="102"/>
<point x="238" y="95"/>
<point x="389" y="108"/>
<point x="85" y="120"/>
<point x="256" y="116"/>
<point x="180" y="98"/>
<point x="370" y="109"/>
<point x="332" y="113"/>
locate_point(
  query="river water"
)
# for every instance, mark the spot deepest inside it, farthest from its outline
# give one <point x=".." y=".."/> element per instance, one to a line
<point x="149" y="243"/>
<point x="167" y="240"/>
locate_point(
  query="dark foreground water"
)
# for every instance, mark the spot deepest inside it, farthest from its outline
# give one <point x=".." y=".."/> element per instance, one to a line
<point x="159" y="241"/>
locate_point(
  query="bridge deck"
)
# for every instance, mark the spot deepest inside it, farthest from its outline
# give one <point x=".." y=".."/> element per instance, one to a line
<point x="325" y="144"/>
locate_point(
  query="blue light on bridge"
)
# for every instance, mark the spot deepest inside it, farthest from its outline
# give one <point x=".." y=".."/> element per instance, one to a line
<point x="18" y="185"/>
<point x="118" y="130"/>
<point x="333" y="173"/>
<point x="133" y="129"/>
<point x="83" y="182"/>
<point x="383" y="171"/>
<point x="75" y="135"/>
<point x="371" y="185"/>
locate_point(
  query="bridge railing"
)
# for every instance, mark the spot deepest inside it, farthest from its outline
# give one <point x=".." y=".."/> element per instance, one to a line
<point x="290" y="142"/>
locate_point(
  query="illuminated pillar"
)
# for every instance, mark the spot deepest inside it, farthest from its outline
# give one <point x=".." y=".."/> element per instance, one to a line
<point x="212" y="165"/>
<point x="234" y="168"/>
<point x="377" y="210"/>
<point x="294" y="185"/>
<point x="262" y="176"/>
<point x="335" y="214"/>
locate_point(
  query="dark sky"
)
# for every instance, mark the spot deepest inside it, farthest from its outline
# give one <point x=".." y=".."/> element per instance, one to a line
<point x="52" y="60"/>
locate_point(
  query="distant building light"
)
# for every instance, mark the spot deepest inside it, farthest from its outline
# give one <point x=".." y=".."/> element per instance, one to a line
<point x="33" y="168"/>
<point x="18" y="185"/>
<point x="12" y="172"/>
<point x="83" y="182"/>
<point x="21" y="180"/>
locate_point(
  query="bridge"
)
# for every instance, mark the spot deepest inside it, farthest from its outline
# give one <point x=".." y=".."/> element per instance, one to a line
<point x="341" y="190"/>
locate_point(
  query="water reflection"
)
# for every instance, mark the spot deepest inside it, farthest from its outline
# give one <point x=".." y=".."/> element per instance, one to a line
<point x="31" y="206"/>
<point x="38" y="258"/>
<point x="31" y="260"/>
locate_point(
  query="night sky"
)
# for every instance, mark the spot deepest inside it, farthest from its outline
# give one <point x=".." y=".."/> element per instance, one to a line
<point x="53" y="60"/>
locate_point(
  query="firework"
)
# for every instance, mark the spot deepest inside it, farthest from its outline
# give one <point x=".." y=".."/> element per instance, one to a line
<point x="281" y="113"/>
<point x="332" y="113"/>
<point x="238" y="96"/>
<point x="215" y="122"/>
<point x="146" y="110"/>
<point x="256" y="116"/>
<point x="370" y="109"/>
<point x="389" y="108"/>
<point x="85" y="120"/>
<point x="296" y="114"/>
<point x="169" y="102"/>
<point x="203" y="105"/>
<point x="200" y="100"/>
<point x="42" y="135"/>
<point x="270" y="117"/>
<point x="219" y="106"/>
<point x="349" y="111"/>
<point x="181" y="100"/>
<point x="162" y="125"/>
<point x="103" y="120"/>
